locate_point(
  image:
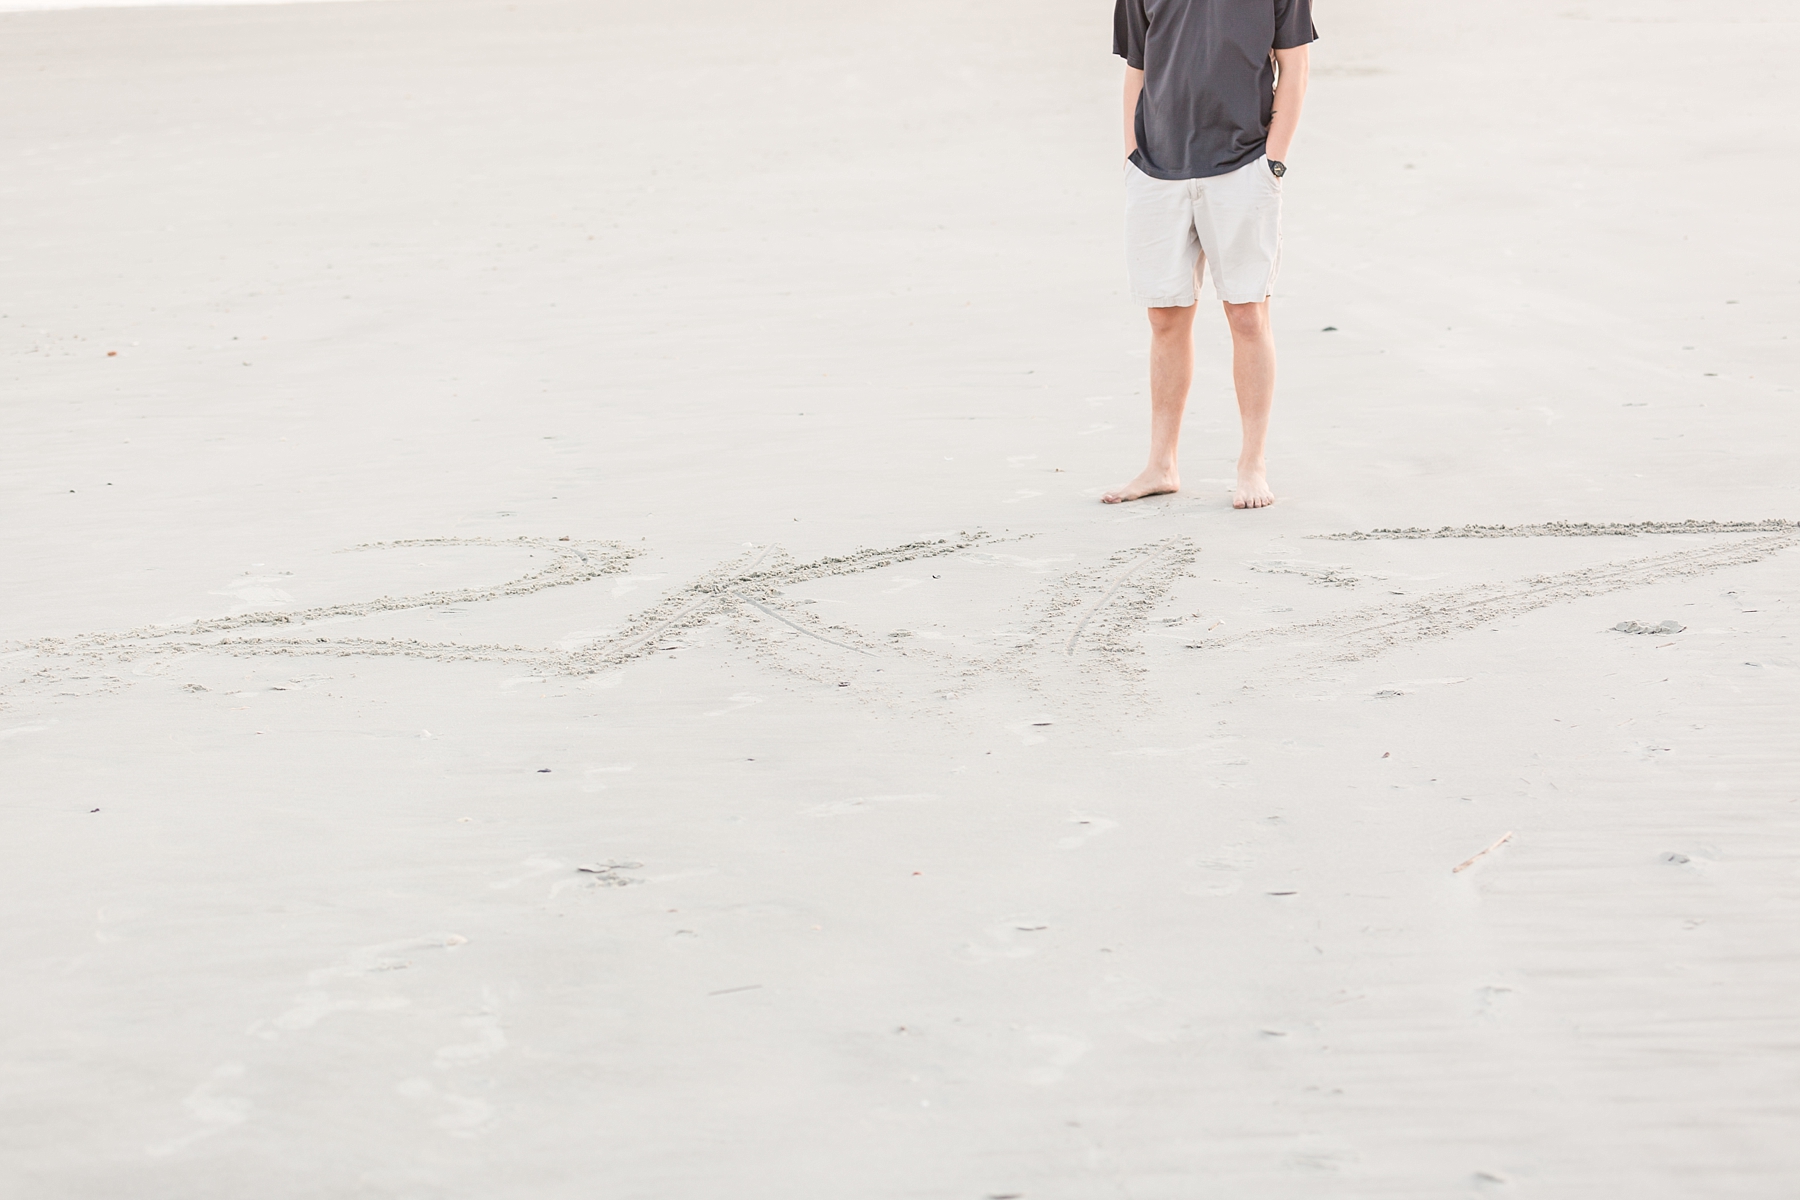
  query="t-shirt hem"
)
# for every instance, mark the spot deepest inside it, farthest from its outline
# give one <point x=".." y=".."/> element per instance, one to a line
<point x="1137" y="160"/>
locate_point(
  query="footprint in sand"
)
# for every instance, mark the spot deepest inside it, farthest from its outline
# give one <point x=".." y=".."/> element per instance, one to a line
<point x="1060" y="1052"/>
<point x="489" y="1041"/>
<point x="1157" y="751"/>
<point x="1221" y="872"/>
<point x="1493" y="1002"/>
<point x="215" y="1112"/>
<point x="1089" y="828"/>
<point x="387" y="956"/>
<point x="1030" y="733"/>
<point x="862" y="804"/>
<point x="629" y="583"/>
<point x="1010" y="938"/>
<point x="312" y="1007"/>
<point x="1121" y="993"/>
<point x="1035" y="566"/>
<point x="466" y="1114"/>
<point x="590" y="782"/>
<point x="255" y="591"/>
<point x="537" y="865"/>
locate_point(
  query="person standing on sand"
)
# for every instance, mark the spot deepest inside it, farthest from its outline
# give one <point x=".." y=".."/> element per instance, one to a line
<point x="1212" y="99"/>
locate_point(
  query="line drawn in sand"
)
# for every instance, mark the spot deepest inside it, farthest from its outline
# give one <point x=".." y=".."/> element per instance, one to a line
<point x="1330" y="576"/>
<point x="754" y="579"/>
<point x="1083" y="617"/>
<point x="757" y="580"/>
<point x="1564" y="529"/>
<point x="572" y="562"/>
<point x="1365" y="632"/>
<point x="1104" y="600"/>
<point x="767" y="611"/>
<point x="1131" y="585"/>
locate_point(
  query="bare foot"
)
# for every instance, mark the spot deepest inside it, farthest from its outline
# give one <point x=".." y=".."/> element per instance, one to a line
<point x="1151" y="481"/>
<point x="1252" y="490"/>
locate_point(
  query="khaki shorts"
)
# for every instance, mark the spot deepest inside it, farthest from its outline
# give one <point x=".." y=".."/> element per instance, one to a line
<point x="1228" y="224"/>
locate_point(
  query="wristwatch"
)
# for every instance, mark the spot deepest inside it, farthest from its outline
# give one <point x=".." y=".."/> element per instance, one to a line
<point x="1277" y="168"/>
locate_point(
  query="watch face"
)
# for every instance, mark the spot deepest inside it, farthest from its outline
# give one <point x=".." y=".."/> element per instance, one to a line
<point x="1279" y="168"/>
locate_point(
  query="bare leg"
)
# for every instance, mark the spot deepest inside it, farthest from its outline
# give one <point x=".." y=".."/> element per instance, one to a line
<point x="1253" y="371"/>
<point x="1171" y="374"/>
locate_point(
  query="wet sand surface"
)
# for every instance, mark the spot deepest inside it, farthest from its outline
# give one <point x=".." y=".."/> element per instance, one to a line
<point x="557" y="635"/>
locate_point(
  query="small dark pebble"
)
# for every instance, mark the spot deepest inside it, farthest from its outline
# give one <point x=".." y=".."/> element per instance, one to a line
<point x="543" y="770"/>
<point x="93" y="810"/>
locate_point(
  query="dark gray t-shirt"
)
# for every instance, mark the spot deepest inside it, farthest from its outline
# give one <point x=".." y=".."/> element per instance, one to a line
<point x="1209" y="84"/>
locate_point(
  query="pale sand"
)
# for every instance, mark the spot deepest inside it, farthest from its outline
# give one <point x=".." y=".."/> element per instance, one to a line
<point x="1039" y="848"/>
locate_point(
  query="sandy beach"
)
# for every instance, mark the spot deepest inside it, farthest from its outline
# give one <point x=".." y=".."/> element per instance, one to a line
<point x="557" y="636"/>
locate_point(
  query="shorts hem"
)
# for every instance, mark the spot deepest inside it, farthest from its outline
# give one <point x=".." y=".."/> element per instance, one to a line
<point x="1164" y="301"/>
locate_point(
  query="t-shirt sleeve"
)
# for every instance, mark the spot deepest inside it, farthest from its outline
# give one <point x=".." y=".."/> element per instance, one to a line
<point x="1129" y="24"/>
<point x="1293" y="24"/>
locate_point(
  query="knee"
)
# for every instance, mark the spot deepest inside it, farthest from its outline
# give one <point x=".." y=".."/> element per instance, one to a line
<point x="1171" y="320"/>
<point x="1248" y="320"/>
